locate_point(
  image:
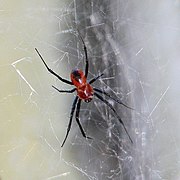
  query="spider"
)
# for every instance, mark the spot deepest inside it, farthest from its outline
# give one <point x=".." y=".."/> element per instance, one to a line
<point x="85" y="92"/>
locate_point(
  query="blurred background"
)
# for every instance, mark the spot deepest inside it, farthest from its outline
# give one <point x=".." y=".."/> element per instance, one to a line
<point x="135" y="44"/>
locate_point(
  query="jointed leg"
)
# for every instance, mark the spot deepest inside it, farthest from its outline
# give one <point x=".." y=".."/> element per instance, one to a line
<point x="86" y="56"/>
<point x="71" y="117"/>
<point x="113" y="98"/>
<point x="95" y="78"/>
<point x="65" y="91"/>
<point x="52" y="72"/>
<point x="108" y="104"/>
<point x="77" y="119"/>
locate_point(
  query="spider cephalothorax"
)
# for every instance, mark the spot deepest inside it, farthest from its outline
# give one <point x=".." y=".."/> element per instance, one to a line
<point x="77" y="77"/>
<point x="84" y="92"/>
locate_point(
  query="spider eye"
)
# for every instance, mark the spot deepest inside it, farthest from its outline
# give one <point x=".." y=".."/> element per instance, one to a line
<point x="76" y="73"/>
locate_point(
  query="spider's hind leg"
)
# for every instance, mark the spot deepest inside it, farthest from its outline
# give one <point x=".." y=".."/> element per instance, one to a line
<point x="78" y="121"/>
<point x="113" y="98"/>
<point x="70" y="121"/>
<point x="112" y="108"/>
<point x="64" y="91"/>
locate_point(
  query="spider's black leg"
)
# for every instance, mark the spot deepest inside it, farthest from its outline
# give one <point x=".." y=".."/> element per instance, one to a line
<point x="77" y="120"/>
<point x="52" y="72"/>
<point x="95" y="78"/>
<point x="86" y="56"/>
<point x="113" y="98"/>
<point x="108" y="104"/>
<point x="65" y="91"/>
<point x="71" y="117"/>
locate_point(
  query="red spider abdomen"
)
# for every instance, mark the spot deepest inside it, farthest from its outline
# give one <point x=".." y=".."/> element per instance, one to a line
<point x="85" y="92"/>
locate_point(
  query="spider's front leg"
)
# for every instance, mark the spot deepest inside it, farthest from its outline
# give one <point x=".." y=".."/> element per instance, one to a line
<point x="95" y="78"/>
<point x="51" y="71"/>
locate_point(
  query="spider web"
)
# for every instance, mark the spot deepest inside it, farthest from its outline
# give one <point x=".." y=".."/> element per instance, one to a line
<point x="135" y="44"/>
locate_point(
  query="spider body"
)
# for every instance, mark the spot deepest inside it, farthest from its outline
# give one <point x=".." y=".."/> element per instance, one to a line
<point x="85" y="92"/>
